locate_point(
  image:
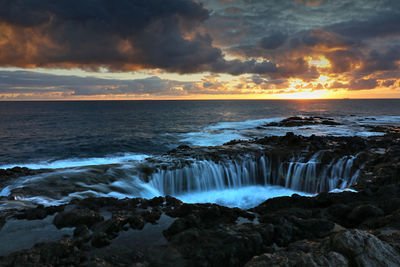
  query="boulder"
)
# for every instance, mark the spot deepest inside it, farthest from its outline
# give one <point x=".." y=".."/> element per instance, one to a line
<point x="364" y="249"/>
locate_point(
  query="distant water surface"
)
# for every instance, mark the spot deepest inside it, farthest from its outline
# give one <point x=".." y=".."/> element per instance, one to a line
<point x="63" y="134"/>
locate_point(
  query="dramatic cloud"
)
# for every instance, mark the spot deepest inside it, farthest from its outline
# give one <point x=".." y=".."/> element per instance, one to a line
<point x="24" y="84"/>
<point x="275" y="46"/>
<point x="122" y="35"/>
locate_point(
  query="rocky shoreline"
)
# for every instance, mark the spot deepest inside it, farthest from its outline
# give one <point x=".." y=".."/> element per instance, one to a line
<point x="331" y="229"/>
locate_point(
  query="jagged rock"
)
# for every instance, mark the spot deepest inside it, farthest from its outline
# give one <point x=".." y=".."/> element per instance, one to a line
<point x="151" y="216"/>
<point x="290" y="259"/>
<point x="6" y="174"/>
<point x="286" y="231"/>
<point x="77" y="217"/>
<point x="136" y="222"/>
<point x="364" y="249"/>
<point x="62" y="253"/>
<point x="38" y="213"/>
<point x="111" y="227"/>
<point x="346" y="248"/>
<point x="301" y="121"/>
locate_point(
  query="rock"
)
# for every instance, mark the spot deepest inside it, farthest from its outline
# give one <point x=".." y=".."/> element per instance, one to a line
<point x="151" y="216"/>
<point x="284" y="259"/>
<point x="33" y="214"/>
<point x="111" y="227"/>
<point x="346" y="248"/>
<point x="62" y="253"/>
<point x="156" y="202"/>
<point x="6" y="174"/>
<point x="81" y="235"/>
<point x="285" y="231"/>
<point x="81" y="230"/>
<point x="136" y="222"/>
<point x="315" y="227"/>
<point x="100" y="240"/>
<point x="302" y="121"/>
<point x="77" y="217"/>
<point x="364" y="249"/>
<point x="362" y="212"/>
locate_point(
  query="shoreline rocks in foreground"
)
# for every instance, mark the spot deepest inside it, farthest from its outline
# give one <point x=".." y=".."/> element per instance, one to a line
<point x="331" y="229"/>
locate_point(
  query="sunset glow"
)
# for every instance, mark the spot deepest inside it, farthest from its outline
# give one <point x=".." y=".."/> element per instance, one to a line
<point x="319" y="62"/>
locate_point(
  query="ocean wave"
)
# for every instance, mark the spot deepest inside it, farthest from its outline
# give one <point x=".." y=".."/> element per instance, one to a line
<point x="223" y="132"/>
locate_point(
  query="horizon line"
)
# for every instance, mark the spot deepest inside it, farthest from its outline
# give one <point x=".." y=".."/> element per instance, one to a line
<point x="216" y="99"/>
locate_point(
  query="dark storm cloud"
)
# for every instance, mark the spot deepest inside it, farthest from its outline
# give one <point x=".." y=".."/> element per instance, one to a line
<point x="382" y="60"/>
<point x="273" y="41"/>
<point x="361" y="84"/>
<point x="383" y="24"/>
<point x="122" y="35"/>
<point x="358" y="84"/>
<point x="343" y="60"/>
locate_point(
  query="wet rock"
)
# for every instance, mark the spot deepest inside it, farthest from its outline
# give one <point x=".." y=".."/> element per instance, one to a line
<point x="302" y="121"/>
<point x="77" y="217"/>
<point x="136" y="222"/>
<point x="151" y="216"/>
<point x="38" y="213"/>
<point x="6" y="174"/>
<point x="182" y="224"/>
<point x="171" y="201"/>
<point x="111" y="227"/>
<point x="286" y="231"/>
<point x="180" y="211"/>
<point x="33" y="214"/>
<point x="156" y="202"/>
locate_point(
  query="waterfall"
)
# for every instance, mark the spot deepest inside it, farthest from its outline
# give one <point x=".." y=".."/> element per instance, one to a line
<point x="311" y="176"/>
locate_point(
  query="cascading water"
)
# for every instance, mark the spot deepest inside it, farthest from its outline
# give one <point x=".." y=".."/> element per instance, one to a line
<point x="242" y="182"/>
<point x="311" y="176"/>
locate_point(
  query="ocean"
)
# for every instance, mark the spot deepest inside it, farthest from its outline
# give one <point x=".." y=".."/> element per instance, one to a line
<point x="73" y="135"/>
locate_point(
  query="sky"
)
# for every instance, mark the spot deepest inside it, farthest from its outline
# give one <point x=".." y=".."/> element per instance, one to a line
<point x="199" y="49"/>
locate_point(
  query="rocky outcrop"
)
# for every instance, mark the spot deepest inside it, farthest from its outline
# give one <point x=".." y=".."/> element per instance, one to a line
<point x="331" y="229"/>
<point x="301" y="121"/>
<point x="7" y="174"/>
<point x="346" y="248"/>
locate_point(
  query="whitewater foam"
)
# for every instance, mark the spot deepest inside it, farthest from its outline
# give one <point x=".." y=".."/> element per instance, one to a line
<point x="224" y="132"/>
<point x="80" y="162"/>
<point x="244" y="197"/>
